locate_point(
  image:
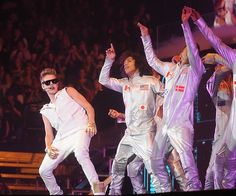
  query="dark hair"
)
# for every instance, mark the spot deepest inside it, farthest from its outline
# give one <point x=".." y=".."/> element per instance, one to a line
<point x="217" y="3"/>
<point x="197" y="45"/>
<point x="140" y="63"/>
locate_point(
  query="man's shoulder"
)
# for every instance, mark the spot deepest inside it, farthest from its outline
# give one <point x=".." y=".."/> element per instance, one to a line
<point x="47" y="106"/>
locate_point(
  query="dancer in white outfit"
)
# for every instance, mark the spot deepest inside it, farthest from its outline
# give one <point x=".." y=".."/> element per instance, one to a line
<point x="182" y="81"/>
<point x="225" y="158"/>
<point x="135" y="167"/>
<point x="73" y="119"/>
<point x="219" y="86"/>
<point x="139" y="96"/>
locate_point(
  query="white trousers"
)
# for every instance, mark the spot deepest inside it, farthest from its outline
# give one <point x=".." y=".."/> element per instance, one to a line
<point x="181" y="138"/>
<point x="79" y="144"/>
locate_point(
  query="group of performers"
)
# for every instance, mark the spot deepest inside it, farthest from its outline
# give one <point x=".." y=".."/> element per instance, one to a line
<point x="159" y="117"/>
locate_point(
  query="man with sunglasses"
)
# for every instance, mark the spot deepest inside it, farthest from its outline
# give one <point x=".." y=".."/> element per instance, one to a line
<point x="73" y="117"/>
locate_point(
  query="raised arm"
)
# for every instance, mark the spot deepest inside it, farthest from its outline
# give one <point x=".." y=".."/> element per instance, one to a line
<point x="214" y="58"/>
<point x="158" y="65"/>
<point x="225" y="51"/>
<point x="193" y="53"/>
<point x="104" y="77"/>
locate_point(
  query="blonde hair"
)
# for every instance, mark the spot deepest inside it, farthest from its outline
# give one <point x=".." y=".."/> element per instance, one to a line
<point x="47" y="71"/>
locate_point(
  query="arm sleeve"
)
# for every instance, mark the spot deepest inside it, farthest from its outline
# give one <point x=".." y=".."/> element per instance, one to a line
<point x="225" y="51"/>
<point x="193" y="53"/>
<point x="158" y="65"/>
<point x="106" y="80"/>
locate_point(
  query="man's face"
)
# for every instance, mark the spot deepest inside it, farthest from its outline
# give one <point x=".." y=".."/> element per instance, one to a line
<point x="183" y="56"/>
<point x="50" y="83"/>
<point x="129" y="66"/>
<point x="220" y="10"/>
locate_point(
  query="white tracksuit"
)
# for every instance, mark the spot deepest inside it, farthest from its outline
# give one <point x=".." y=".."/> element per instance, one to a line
<point x="221" y="95"/>
<point x="226" y="158"/>
<point x="139" y="96"/>
<point x="70" y="121"/>
<point x="181" y="86"/>
<point x="135" y="167"/>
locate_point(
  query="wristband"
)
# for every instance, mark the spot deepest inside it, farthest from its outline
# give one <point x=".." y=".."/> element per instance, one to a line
<point x="46" y="149"/>
<point x="91" y="124"/>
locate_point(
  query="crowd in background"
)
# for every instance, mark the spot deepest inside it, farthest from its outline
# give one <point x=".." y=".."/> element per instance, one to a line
<point x="70" y="36"/>
<point x="67" y="35"/>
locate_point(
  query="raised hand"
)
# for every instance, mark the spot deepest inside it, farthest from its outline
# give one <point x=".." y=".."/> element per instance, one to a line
<point x="110" y="53"/>
<point x="186" y="13"/>
<point x="195" y="15"/>
<point x="209" y="58"/>
<point x="143" y="29"/>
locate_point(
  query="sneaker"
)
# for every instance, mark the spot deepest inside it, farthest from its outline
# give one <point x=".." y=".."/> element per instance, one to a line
<point x="99" y="188"/>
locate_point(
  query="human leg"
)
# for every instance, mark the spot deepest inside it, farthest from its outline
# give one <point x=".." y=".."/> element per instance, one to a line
<point x="176" y="168"/>
<point x="81" y="150"/>
<point x="209" y="179"/>
<point x="229" y="181"/>
<point x="158" y="171"/>
<point x="181" y="139"/>
<point x="48" y="165"/>
<point x="135" y="172"/>
<point x="210" y="173"/>
<point x="230" y="154"/>
<point x="123" y="154"/>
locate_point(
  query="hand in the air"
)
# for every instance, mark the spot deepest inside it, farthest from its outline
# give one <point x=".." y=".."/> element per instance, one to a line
<point x="110" y="53"/>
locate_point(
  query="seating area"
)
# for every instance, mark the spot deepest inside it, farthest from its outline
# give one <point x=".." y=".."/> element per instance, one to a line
<point x="19" y="171"/>
<point x="19" y="174"/>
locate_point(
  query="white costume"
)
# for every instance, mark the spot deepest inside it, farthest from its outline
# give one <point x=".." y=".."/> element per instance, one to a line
<point x="220" y="93"/>
<point x="181" y="86"/>
<point x="70" y="121"/>
<point x="139" y="96"/>
<point x="135" y="167"/>
<point x="226" y="157"/>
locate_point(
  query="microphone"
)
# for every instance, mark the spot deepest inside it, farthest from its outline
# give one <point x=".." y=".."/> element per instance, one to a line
<point x="48" y="88"/>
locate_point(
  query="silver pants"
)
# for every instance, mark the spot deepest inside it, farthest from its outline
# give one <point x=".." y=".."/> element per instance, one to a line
<point x="176" y="169"/>
<point x="181" y="140"/>
<point x="136" y="167"/>
<point x="124" y="157"/>
<point x="224" y="169"/>
<point x="135" y="171"/>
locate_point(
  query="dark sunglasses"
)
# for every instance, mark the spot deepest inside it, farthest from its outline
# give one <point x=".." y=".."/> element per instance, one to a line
<point x="48" y="82"/>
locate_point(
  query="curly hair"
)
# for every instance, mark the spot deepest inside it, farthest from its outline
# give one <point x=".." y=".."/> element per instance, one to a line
<point x="140" y="63"/>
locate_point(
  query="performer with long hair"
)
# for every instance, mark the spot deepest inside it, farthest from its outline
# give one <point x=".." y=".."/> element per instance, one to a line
<point x="139" y="96"/>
